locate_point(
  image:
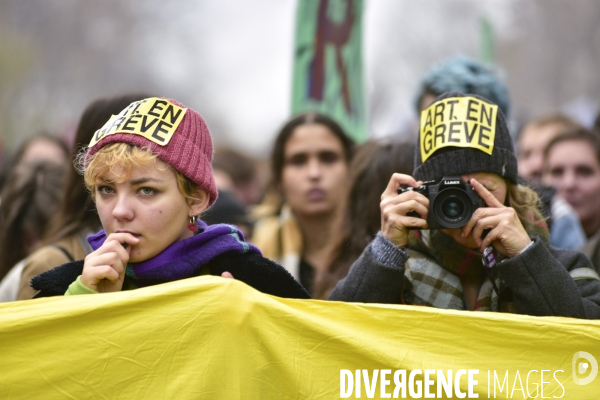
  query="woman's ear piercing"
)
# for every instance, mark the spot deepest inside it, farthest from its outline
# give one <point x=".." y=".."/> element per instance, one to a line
<point x="193" y="225"/>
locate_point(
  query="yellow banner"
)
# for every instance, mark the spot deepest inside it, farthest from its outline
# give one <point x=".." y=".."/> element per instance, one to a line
<point x="154" y="118"/>
<point x="213" y="338"/>
<point x="458" y="122"/>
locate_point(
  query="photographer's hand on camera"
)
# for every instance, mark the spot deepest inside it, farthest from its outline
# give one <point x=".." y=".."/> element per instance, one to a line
<point x="506" y="233"/>
<point x="395" y="224"/>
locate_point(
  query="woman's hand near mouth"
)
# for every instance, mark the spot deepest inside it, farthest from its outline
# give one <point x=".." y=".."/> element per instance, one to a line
<point x="104" y="269"/>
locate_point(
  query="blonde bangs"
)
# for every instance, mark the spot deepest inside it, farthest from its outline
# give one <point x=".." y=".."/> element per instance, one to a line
<point x="127" y="157"/>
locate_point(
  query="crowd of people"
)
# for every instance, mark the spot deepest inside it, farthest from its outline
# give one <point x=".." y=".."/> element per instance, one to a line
<point x="138" y="200"/>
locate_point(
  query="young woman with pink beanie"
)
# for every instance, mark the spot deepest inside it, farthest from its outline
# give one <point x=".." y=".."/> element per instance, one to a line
<point x="149" y="171"/>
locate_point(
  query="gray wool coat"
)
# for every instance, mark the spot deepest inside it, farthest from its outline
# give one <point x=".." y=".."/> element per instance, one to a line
<point x="544" y="282"/>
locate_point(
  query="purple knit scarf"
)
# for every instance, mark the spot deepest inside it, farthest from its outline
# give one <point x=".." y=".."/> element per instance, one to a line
<point x="184" y="258"/>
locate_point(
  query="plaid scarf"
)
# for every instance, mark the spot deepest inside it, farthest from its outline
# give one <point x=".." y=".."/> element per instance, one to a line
<point x="436" y="264"/>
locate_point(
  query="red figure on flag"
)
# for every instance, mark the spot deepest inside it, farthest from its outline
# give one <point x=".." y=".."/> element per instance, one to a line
<point x="338" y="35"/>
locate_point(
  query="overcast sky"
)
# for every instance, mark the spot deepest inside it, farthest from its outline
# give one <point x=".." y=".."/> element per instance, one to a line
<point x="232" y="59"/>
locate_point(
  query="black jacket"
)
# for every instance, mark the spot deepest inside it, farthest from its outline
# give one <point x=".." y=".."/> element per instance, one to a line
<point x="250" y="268"/>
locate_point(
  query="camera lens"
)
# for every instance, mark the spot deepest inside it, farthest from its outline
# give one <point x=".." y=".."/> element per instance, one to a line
<point x="452" y="208"/>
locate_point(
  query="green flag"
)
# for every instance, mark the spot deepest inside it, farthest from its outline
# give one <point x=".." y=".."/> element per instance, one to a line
<point x="328" y="73"/>
<point x="486" y="41"/>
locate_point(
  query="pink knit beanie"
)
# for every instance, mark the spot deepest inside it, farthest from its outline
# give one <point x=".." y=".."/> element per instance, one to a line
<point x="176" y="134"/>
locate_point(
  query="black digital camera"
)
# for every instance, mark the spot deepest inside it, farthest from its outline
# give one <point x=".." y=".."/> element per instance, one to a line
<point x="452" y="202"/>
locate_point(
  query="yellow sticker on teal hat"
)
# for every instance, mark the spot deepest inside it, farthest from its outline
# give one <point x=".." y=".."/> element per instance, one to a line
<point x="154" y="118"/>
<point x="458" y="122"/>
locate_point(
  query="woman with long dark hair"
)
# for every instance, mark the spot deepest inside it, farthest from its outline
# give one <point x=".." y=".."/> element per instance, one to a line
<point x="371" y="167"/>
<point x="306" y="196"/>
<point x="29" y="199"/>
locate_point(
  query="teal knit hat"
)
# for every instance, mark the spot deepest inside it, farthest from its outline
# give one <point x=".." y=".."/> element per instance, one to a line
<point x="466" y="75"/>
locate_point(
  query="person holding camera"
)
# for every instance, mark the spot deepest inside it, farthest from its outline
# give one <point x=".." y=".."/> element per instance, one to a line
<point x="462" y="234"/>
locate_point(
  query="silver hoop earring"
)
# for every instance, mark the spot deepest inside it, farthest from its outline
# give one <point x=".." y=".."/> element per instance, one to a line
<point x="193" y="224"/>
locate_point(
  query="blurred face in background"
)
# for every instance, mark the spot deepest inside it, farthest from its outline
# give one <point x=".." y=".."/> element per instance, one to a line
<point x="426" y="100"/>
<point x="573" y="169"/>
<point x="530" y="149"/>
<point x="44" y="149"/>
<point x="315" y="172"/>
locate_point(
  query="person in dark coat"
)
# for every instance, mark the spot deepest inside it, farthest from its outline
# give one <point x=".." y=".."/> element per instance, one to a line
<point x="149" y="171"/>
<point x="490" y="254"/>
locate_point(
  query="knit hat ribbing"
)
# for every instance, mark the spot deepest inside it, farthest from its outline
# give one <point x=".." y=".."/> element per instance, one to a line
<point x="189" y="150"/>
<point x="456" y="161"/>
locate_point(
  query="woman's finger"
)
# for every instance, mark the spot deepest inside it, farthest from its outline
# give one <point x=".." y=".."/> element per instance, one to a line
<point x="492" y="235"/>
<point x="479" y="214"/>
<point x="489" y="199"/>
<point x="391" y="202"/>
<point x="396" y="181"/>
<point x="123" y="238"/>
<point x="93" y="275"/>
<point x="105" y="272"/>
<point x="410" y="206"/>
<point x="113" y="246"/>
<point x="111" y="258"/>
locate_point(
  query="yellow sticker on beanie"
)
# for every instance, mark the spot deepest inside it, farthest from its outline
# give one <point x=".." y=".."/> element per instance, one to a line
<point x="154" y="118"/>
<point x="458" y="122"/>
